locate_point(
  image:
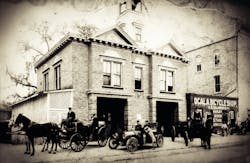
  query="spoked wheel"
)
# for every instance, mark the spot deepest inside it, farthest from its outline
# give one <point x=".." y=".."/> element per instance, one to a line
<point x="113" y="144"/>
<point x="132" y="144"/>
<point x="102" y="138"/>
<point x="173" y="133"/>
<point x="77" y="142"/>
<point x="159" y="140"/>
<point x="64" y="144"/>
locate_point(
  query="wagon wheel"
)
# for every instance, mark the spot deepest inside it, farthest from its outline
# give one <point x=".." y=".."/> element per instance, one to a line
<point x="159" y="140"/>
<point x="173" y="133"/>
<point x="102" y="137"/>
<point x="113" y="144"/>
<point x="77" y="142"/>
<point x="63" y="141"/>
<point x="64" y="144"/>
<point x="132" y="144"/>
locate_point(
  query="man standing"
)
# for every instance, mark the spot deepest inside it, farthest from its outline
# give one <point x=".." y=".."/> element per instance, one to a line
<point x="71" y="115"/>
<point x="149" y="131"/>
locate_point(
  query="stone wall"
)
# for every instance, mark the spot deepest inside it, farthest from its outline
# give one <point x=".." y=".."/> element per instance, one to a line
<point x="203" y="82"/>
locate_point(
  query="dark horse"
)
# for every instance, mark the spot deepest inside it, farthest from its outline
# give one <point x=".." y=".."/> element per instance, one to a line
<point x="34" y="130"/>
<point x="202" y="131"/>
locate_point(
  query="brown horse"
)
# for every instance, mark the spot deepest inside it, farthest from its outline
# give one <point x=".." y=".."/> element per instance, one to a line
<point x="34" y="130"/>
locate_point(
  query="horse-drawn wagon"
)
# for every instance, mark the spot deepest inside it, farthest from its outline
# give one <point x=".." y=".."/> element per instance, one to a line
<point x="191" y="130"/>
<point x="76" y="135"/>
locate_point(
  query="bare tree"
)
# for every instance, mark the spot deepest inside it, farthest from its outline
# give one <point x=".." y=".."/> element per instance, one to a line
<point x="85" y="30"/>
<point x="45" y="35"/>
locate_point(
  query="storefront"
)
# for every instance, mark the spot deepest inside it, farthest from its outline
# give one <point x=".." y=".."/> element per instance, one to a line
<point x="223" y="109"/>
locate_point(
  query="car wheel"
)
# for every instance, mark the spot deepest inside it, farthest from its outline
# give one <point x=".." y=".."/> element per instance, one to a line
<point x="159" y="140"/>
<point x="173" y="133"/>
<point x="132" y="144"/>
<point x="113" y="144"/>
<point x="102" y="138"/>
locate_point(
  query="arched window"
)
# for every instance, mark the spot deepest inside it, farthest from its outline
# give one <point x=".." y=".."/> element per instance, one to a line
<point x="198" y="63"/>
<point x="216" y="57"/>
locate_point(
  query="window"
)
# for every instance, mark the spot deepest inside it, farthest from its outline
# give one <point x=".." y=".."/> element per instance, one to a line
<point x="112" y="73"/>
<point x="116" y="74"/>
<point x="216" y="59"/>
<point x="198" y="67"/>
<point x="198" y="63"/>
<point x="216" y="53"/>
<point x="138" y="78"/>
<point x="170" y="75"/>
<point x="137" y="33"/>
<point x="58" y="77"/>
<point x="217" y="83"/>
<point x="106" y="73"/>
<point x="46" y="81"/>
<point x="166" y="81"/>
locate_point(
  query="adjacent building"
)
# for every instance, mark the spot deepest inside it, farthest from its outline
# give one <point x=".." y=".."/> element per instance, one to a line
<point x="218" y="78"/>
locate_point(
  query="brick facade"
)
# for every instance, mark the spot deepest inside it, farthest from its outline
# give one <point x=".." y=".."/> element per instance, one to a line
<point x="233" y="69"/>
<point x="82" y="71"/>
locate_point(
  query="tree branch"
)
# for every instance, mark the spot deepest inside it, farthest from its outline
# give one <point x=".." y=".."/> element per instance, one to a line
<point x="20" y="79"/>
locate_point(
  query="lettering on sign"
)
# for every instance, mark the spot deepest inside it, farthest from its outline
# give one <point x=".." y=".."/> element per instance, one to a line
<point x="213" y="103"/>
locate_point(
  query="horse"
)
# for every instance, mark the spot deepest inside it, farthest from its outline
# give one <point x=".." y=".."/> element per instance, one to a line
<point x="34" y="130"/>
<point x="202" y="131"/>
<point x="53" y="137"/>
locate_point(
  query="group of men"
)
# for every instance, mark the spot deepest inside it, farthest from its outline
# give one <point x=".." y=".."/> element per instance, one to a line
<point x="147" y="129"/>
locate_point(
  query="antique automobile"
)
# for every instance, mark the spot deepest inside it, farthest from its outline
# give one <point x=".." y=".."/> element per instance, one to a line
<point x="134" y="139"/>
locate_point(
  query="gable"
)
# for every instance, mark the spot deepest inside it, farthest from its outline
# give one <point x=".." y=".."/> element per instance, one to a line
<point x="171" y="50"/>
<point x="116" y="35"/>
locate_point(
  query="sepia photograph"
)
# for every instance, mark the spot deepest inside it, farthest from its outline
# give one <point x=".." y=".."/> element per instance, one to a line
<point x="123" y="81"/>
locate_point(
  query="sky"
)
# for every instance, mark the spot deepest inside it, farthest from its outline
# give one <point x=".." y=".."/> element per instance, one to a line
<point x="186" y="24"/>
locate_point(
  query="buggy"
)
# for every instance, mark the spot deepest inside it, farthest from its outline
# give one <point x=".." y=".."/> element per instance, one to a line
<point x="76" y="135"/>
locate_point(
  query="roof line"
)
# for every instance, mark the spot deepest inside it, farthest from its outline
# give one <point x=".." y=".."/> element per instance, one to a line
<point x="119" y="30"/>
<point x="53" y="49"/>
<point x="225" y="39"/>
<point x="68" y="38"/>
<point x="38" y="94"/>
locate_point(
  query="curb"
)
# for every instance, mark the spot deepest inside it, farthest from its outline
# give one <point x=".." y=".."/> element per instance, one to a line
<point x="145" y="154"/>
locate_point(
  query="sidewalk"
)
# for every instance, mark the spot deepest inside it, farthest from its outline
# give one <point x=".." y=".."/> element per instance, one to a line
<point x="94" y="153"/>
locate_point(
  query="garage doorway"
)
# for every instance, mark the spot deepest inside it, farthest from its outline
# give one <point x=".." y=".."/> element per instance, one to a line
<point x="111" y="110"/>
<point x="167" y="115"/>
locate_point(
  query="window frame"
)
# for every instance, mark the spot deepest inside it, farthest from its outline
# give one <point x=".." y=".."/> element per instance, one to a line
<point x="198" y="63"/>
<point x="46" y="80"/>
<point x="57" y="77"/>
<point x="138" y="33"/>
<point x="217" y="83"/>
<point x="165" y="81"/>
<point x="139" y="79"/>
<point x="216" y="59"/>
<point x="198" y="67"/>
<point x="112" y="74"/>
